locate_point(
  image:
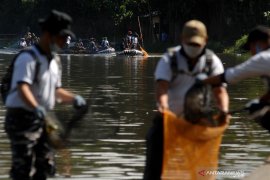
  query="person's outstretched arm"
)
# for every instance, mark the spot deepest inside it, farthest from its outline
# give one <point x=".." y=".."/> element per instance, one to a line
<point x="64" y="96"/>
<point x="222" y="98"/>
<point x="256" y="66"/>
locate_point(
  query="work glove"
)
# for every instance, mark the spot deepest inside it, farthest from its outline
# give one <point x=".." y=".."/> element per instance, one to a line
<point x="40" y="112"/>
<point x="79" y="102"/>
<point x="254" y="105"/>
<point x="199" y="79"/>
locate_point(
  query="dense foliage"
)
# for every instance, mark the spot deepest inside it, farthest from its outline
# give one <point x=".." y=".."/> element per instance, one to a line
<point x="226" y="20"/>
<point x="90" y="16"/>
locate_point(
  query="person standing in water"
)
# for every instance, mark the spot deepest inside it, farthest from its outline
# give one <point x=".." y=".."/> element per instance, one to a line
<point x="258" y="44"/>
<point x="35" y="86"/>
<point x="175" y="74"/>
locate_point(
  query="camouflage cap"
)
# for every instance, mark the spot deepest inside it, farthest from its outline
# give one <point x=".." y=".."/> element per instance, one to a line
<point x="194" y="31"/>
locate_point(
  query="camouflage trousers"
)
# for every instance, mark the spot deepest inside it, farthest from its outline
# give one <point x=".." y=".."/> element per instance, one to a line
<point x="32" y="157"/>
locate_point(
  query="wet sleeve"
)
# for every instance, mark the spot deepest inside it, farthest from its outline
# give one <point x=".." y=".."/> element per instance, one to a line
<point x="217" y="69"/>
<point x="217" y="66"/>
<point x="257" y="65"/>
<point x="24" y="69"/>
<point x="59" y="72"/>
<point x="163" y="69"/>
<point x="59" y="80"/>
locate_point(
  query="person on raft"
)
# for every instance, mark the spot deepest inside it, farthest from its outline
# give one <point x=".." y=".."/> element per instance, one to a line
<point x="36" y="86"/>
<point x="105" y="43"/>
<point x="22" y="43"/>
<point x="92" y="45"/>
<point x="128" y="40"/>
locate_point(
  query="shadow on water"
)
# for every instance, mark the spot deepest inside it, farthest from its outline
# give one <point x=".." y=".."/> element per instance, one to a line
<point x="109" y="142"/>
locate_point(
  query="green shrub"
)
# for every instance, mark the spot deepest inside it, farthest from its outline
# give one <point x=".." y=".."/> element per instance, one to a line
<point x="216" y="46"/>
<point x="237" y="47"/>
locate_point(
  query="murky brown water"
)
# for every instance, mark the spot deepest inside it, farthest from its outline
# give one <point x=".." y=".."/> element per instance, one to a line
<point x="109" y="144"/>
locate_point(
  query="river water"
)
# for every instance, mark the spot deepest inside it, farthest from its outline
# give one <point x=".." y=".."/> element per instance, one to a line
<point x="109" y="143"/>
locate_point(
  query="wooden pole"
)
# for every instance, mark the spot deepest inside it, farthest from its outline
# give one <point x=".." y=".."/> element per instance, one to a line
<point x="144" y="52"/>
<point x="141" y="36"/>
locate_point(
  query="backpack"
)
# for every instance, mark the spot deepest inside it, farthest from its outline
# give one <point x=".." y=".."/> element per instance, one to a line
<point x="173" y="63"/>
<point x="5" y="88"/>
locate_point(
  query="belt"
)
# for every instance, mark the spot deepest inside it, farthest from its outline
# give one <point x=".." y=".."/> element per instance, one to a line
<point x="19" y="111"/>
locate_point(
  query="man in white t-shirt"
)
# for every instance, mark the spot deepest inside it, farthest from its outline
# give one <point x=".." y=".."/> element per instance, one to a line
<point x="22" y="43"/>
<point x="258" y="43"/>
<point x="175" y="74"/>
<point x="68" y="41"/>
<point x="135" y="41"/>
<point x="35" y="86"/>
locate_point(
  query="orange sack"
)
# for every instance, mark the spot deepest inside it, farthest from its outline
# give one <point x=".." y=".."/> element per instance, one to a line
<point x="190" y="151"/>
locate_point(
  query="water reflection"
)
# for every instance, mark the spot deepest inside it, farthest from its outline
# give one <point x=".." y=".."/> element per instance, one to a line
<point x="109" y="143"/>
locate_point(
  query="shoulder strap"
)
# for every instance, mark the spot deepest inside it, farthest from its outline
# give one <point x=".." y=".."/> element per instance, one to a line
<point x="37" y="68"/>
<point x="209" y="60"/>
<point x="174" y="66"/>
<point x="173" y="63"/>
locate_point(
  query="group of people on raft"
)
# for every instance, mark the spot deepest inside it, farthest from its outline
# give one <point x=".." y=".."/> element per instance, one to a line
<point x="90" y="45"/>
<point x="129" y="42"/>
<point x="27" y="40"/>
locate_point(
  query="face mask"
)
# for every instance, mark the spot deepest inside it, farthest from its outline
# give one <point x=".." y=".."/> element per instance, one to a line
<point x="192" y="51"/>
<point x="54" y="48"/>
<point x="258" y="49"/>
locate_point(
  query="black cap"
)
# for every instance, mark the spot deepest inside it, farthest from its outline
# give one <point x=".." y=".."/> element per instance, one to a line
<point x="259" y="33"/>
<point x="57" y="23"/>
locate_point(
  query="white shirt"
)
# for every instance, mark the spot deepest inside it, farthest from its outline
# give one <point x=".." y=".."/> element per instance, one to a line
<point x="257" y="65"/>
<point x="135" y="40"/>
<point x="23" y="44"/>
<point x="49" y="78"/>
<point x="68" y="40"/>
<point x="182" y="83"/>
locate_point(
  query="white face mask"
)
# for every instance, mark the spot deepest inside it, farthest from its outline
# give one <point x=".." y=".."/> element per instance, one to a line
<point x="192" y="51"/>
<point x="54" y="48"/>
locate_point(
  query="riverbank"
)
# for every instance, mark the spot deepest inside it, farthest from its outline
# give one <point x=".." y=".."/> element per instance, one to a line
<point x="216" y="46"/>
<point x="161" y="47"/>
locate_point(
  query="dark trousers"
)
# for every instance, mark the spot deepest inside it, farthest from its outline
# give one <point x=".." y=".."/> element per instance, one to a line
<point x="32" y="158"/>
<point x="264" y="121"/>
<point x="154" y="152"/>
